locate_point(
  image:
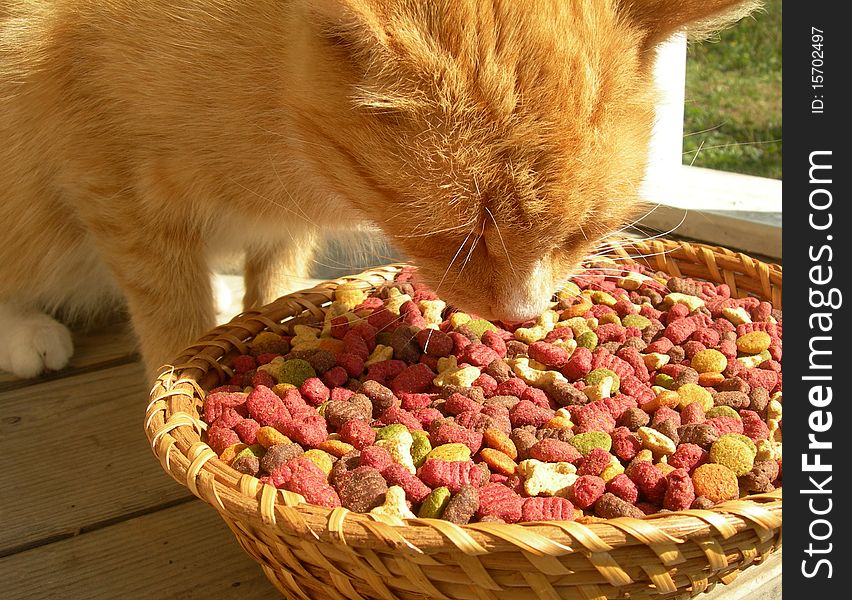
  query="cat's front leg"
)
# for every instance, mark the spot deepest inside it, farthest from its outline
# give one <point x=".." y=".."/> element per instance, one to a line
<point x="165" y="278"/>
<point x="280" y="267"/>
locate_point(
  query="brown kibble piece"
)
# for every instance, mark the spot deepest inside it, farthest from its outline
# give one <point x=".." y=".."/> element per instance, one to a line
<point x="461" y="507"/>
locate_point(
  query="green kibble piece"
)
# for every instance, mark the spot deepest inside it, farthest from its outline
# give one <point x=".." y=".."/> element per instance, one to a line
<point x="383" y="338"/>
<point x="588" y="339"/>
<point x="722" y="411"/>
<point x="663" y="380"/>
<point x="637" y="321"/>
<point x="295" y="372"/>
<point x="732" y="453"/>
<point x="480" y="326"/>
<point x="391" y="432"/>
<point x="434" y="504"/>
<point x="598" y="375"/>
<point x="588" y="441"/>
<point x="744" y="439"/>
<point x="420" y="448"/>
<point x="254" y="450"/>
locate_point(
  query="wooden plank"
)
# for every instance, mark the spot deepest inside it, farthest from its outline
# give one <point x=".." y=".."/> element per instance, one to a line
<point x="110" y="345"/>
<point x="181" y="553"/>
<point x="75" y="454"/>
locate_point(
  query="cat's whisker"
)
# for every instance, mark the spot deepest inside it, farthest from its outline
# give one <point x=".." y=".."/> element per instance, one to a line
<point x="455" y="256"/>
<point x="502" y="243"/>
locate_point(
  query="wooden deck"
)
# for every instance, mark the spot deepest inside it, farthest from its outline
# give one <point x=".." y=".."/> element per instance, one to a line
<point x="88" y="513"/>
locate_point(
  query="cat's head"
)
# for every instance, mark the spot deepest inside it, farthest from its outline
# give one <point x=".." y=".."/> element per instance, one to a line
<point x="494" y="142"/>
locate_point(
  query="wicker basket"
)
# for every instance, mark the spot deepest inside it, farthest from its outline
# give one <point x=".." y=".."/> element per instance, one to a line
<point x="310" y="552"/>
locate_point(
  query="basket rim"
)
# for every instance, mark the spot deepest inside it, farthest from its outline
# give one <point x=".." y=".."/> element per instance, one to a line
<point x="175" y="437"/>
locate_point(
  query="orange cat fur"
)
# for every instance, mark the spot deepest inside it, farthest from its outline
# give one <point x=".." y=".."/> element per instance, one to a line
<point x="142" y="140"/>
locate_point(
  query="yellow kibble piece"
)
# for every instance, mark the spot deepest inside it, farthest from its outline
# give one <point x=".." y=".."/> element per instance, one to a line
<point x="497" y="461"/>
<point x="336" y="447"/>
<point x="321" y="459"/>
<point x="450" y="452"/>
<point x="754" y="342"/>
<point x="230" y="453"/>
<point x="379" y="354"/>
<point x="737" y="316"/>
<point x="656" y="442"/>
<point x="615" y="468"/>
<point x="578" y="309"/>
<point x="732" y="453"/>
<point x="457" y="319"/>
<point x="269" y="436"/>
<point x="692" y="392"/>
<point x="709" y="361"/>
<point x="350" y="295"/>
<point x="605" y="298"/>
<point x="688" y="300"/>
<point x="664" y="467"/>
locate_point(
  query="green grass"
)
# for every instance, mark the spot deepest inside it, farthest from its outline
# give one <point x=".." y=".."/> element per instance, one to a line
<point x="732" y="116"/>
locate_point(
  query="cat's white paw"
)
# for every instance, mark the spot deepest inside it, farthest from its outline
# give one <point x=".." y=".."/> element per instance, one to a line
<point x="33" y="343"/>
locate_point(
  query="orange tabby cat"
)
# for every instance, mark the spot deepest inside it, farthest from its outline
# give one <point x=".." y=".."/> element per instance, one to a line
<point x="143" y="140"/>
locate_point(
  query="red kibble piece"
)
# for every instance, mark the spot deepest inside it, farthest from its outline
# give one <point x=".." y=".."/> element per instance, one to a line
<point x="527" y="413"/>
<point x="761" y="312"/>
<point x="753" y="426"/>
<point x="728" y="348"/>
<point x="370" y="303"/>
<point x="678" y="331"/>
<point x="497" y="500"/>
<point x="376" y="457"/>
<point x="559" y="333"/>
<point x="294" y="404"/>
<point x="452" y="433"/>
<point x="625" y="444"/>
<point x="244" y="362"/>
<point x="411" y="402"/>
<point x="511" y="387"/>
<point x="633" y="357"/>
<point x="770" y="365"/>
<point x="458" y="403"/>
<point x="692" y="413"/>
<point x="678" y="311"/>
<point x="355" y="344"/>
<point x="760" y="378"/>
<point x="358" y="433"/>
<point x="707" y="336"/>
<point x="611" y="332"/>
<point x="664" y="413"/>
<point x="262" y="378"/>
<point x="352" y="363"/>
<point x="688" y="456"/>
<point x="548" y="354"/>
<point x="691" y="348"/>
<point x="427" y="416"/>
<point x="264" y="405"/>
<point x="307" y="430"/>
<point x="381" y="318"/>
<point x="460" y="342"/>
<point x="414" y="379"/>
<point x="650" y="312"/>
<point x="536" y="396"/>
<point x="478" y="355"/>
<point x="579" y="365"/>
<point x="335" y="377"/>
<point x="301" y="476"/>
<point x="650" y="481"/>
<point x="553" y="450"/>
<point x="219" y="438"/>
<point x="384" y="371"/>
<point x="487" y="383"/>
<point x="339" y="326"/>
<point x="623" y="487"/>
<point x="314" y="391"/>
<point x="395" y="414"/>
<point x="660" y="346"/>
<point x="595" y="462"/>
<point x="340" y="393"/>
<point x="594" y="420"/>
<point x="452" y="475"/>
<point x="415" y="490"/>
<point x="602" y="359"/>
<point x="247" y="430"/>
<point x="586" y="491"/>
<point x="495" y="341"/>
<point x="636" y="389"/>
<point x="434" y="342"/>
<point x="547" y="509"/>
<point x="599" y="310"/>
<point x="228" y="418"/>
<point x="680" y="492"/>
<point x="725" y="425"/>
<point x="430" y="361"/>
<point x="624" y="307"/>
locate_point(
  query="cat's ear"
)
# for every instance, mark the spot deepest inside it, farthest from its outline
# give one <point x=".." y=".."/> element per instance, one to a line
<point x="660" y="19"/>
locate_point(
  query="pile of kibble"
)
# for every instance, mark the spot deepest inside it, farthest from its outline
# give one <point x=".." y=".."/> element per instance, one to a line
<point x="635" y="393"/>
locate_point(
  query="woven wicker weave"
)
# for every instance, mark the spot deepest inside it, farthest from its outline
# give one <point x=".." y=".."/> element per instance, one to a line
<point x="310" y="552"/>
